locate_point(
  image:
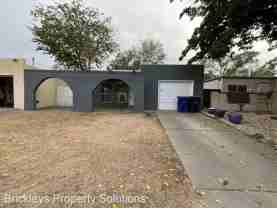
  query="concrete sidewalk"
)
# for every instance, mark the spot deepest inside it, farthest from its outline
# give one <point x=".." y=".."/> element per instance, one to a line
<point x="227" y="168"/>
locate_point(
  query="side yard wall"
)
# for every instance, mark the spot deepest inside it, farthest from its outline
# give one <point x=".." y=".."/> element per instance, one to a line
<point x="220" y="100"/>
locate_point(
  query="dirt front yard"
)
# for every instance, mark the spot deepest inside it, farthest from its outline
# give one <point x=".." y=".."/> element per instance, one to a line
<point x="66" y="159"/>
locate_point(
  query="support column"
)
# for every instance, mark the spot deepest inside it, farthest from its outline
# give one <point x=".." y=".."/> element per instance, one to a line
<point x="139" y="96"/>
<point x="83" y="100"/>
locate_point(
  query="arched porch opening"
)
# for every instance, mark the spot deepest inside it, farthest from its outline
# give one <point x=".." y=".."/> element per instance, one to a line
<point x="113" y="94"/>
<point x="53" y="93"/>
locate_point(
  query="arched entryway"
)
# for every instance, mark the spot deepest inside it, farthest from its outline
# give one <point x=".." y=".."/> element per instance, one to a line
<point x="54" y="93"/>
<point x="113" y="94"/>
<point x="83" y="85"/>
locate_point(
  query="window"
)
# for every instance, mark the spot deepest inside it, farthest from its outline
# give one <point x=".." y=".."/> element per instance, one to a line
<point x="242" y="88"/>
<point x="237" y="88"/>
<point x="232" y="88"/>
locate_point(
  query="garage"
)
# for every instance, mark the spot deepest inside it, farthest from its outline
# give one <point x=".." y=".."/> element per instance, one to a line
<point x="169" y="90"/>
<point x="6" y="92"/>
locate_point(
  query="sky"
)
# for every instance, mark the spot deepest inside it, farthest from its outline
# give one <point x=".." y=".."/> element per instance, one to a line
<point x="133" y="20"/>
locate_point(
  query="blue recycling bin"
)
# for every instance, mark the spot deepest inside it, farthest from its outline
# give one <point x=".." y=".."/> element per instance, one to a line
<point x="183" y="104"/>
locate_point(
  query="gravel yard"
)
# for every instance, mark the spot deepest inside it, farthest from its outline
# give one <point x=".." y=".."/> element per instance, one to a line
<point x="259" y="124"/>
<point x="46" y="156"/>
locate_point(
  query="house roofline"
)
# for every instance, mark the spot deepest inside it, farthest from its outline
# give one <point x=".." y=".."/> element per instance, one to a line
<point x="213" y="79"/>
<point x="199" y="65"/>
<point x="237" y="77"/>
<point x="84" y="72"/>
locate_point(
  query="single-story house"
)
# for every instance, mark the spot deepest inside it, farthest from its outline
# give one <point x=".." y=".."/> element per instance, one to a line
<point x="261" y="93"/>
<point x="153" y="87"/>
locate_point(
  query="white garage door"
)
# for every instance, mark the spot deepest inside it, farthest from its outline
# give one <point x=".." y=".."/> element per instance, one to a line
<point x="64" y="96"/>
<point x="170" y="90"/>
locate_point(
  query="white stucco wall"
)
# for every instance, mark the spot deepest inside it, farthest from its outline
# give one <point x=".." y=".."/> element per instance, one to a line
<point x="257" y="102"/>
<point x="213" y="84"/>
<point x="15" y="68"/>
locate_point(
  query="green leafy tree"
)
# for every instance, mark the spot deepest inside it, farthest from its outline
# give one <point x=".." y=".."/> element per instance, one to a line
<point x="269" y="69"/>
<point x="78" y="37"/>
<point x="209" y="75"/>
<point x="152" y="52"/>
<point x="149" y="52"/>
<point x="239" y="64"/>
<point x="229" y="23"/>
<point x="129" y="59"/>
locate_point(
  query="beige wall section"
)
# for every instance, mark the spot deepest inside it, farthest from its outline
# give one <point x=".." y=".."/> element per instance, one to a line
<point x="15" y="68"/>
<point x="47" y="94"/>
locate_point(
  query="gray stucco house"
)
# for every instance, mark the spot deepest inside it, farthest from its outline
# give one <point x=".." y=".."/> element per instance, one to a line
<point x="151" y="88"/>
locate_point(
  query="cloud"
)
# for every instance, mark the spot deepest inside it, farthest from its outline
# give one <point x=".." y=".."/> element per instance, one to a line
<point x="134" y="20"/>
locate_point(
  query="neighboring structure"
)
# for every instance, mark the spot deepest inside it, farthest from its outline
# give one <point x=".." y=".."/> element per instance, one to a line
<point x="12" y="83"/>
<point x="12" y="87"/>
<point x="151" y="88"/>
<point x="262" y="93"/>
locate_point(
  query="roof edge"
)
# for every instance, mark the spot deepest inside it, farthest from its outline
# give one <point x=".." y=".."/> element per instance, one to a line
<point x="238" y="77"/>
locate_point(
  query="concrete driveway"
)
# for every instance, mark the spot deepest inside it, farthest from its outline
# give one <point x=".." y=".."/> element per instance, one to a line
<point x="227" y="168"/>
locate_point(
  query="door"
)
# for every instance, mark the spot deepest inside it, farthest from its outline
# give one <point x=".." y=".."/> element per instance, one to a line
<point x="64" y="96"/>
<point x="207" y="98"/>
<point x="6" y="92"/>
<point x="170" y="90"/>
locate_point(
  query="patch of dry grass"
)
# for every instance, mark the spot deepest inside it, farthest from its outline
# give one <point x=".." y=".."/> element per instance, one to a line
<point x="50" y="152"/>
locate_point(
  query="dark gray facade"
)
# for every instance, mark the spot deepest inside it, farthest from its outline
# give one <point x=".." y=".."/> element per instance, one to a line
<point x="82" y="85"/>
<point x="144" y="84"/>
<point x="154" y="73"/>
